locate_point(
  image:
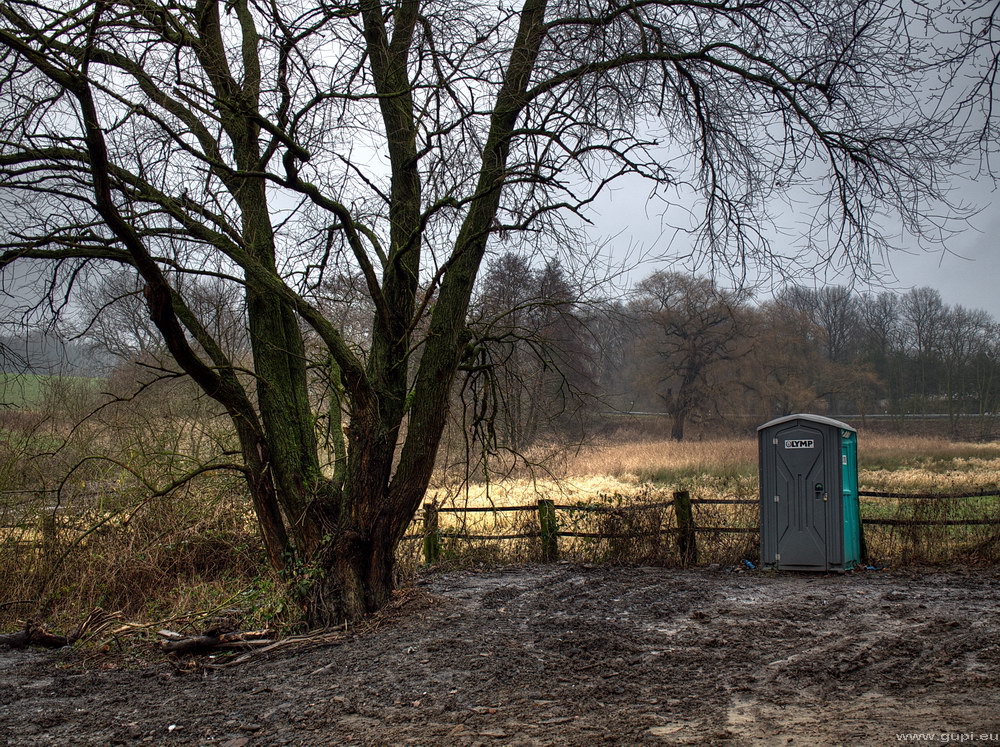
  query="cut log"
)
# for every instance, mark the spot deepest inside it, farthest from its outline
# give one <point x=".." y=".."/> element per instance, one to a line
<point x="34" y="634"/>
<point x="15" y="640"/>
<point x="201" y="644"/>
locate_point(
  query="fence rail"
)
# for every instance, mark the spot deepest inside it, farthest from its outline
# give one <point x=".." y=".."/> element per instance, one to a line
<point x="686" y="530"/>
<point x="461" y="536"/>
<point x="933" y="522"/>
<point x="993" y="492"/>
<point x="609" y="509"/>
<point x="484" y="509"/>
<point x="550" y="529"/>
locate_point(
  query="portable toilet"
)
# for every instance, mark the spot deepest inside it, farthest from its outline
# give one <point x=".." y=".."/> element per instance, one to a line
<point x="809" y="512"/>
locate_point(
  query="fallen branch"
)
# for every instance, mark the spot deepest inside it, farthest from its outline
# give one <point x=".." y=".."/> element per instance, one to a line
<point x="299" y="643"/>
<point x="34" y="634"/>
<point x="199" y="644"/>
<point x="318" y="638"/>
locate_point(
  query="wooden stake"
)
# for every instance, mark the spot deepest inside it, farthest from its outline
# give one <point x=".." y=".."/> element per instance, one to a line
<point x="686" y="542"/>
<point x="432" y="534"/>
<point x="550" y="528"/>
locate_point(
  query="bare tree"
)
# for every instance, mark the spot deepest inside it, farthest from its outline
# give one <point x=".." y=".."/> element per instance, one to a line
<point x="986" y="377"/>
<point x="881" y="341"/>
<point x="696" y="326"/>
<point x="114" y="318"/>
<point x="792" y="370"/>
<point x="833" y="313"/>
<point x="966" y="65"/>
<point x="529" y="376"/>
<point x="273" y="146"/>
<point x="923" y="314"/>
<point x="964" y="332"/>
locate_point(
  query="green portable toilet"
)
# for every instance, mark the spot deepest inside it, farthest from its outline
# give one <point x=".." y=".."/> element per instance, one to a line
<point x="809" y="512"/>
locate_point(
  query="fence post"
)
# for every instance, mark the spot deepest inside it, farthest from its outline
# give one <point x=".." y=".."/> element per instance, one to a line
<point x="549" y="527"/>
<point x="432" y="533"/>
<point x="686" y="542"/>
<point x="47" y="529"/>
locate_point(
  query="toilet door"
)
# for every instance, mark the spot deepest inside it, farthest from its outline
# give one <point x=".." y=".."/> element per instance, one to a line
<point x="802" y="498"/>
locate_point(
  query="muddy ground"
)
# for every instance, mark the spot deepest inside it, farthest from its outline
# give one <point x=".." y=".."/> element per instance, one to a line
<point x="565" y="654"/>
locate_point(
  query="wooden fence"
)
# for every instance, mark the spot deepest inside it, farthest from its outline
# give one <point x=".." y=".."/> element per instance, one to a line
<point x="994" y="493"/>
<point x="685" y="531"/>
<point x="549" y="530"/>
<point x="38" y="517"/>
<point x="552" y="526"/>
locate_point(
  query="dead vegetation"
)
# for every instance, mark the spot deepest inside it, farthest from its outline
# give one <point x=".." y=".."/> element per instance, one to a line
<point x="100" y="540"/>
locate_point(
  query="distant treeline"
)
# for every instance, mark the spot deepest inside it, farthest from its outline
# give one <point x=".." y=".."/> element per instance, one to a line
<point x="707" y="356"/>
<point x="47" y="353"/>
<point x="548" y="357"/>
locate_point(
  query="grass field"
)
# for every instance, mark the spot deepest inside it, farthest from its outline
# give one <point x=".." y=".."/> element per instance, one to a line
<point x="27" y="391"/>
<point x="642" y="472"/>
<point x="22" y="390"/>
<point x="199" y="548"/>
<point x="720" y="468"/>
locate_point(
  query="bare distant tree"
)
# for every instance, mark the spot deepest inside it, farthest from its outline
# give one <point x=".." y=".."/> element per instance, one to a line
<point x="530" y="367"/>
<point x="117" y="320"/>
<point x="881" y="341"/>
<point x="923" y="315"/>
<point x="964" y="338"/>
<point x="695" y="326"/>
<point x="273" y="146"/>
<point x="833" y="313"/>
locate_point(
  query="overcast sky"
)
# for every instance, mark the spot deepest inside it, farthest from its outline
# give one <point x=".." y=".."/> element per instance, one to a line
<point x="970" y="275"/>
<point x="966" y="270"/>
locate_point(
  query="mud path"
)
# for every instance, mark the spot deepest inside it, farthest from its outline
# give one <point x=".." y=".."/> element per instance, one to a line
<point x="565" y="654"/>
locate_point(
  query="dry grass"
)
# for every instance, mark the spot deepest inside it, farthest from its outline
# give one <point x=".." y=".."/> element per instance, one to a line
<point x="198" y="550"/>
<point x="885" y="446"/>
<point x="191" y="551"/>
<point x="604" y="470"/>
<point x="963" y="475"/>
<point x="641" y="459"/>
<point x="722" y="468"/>
<point x="526" y="491"/>
<point x="616" y="476"/>
<point x="642" y="472"/>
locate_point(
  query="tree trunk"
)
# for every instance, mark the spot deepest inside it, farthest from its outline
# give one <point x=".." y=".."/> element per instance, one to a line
<point x="677" y="426"/>
<point x="286" y="415"/>
<point x="354" y="579"/>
